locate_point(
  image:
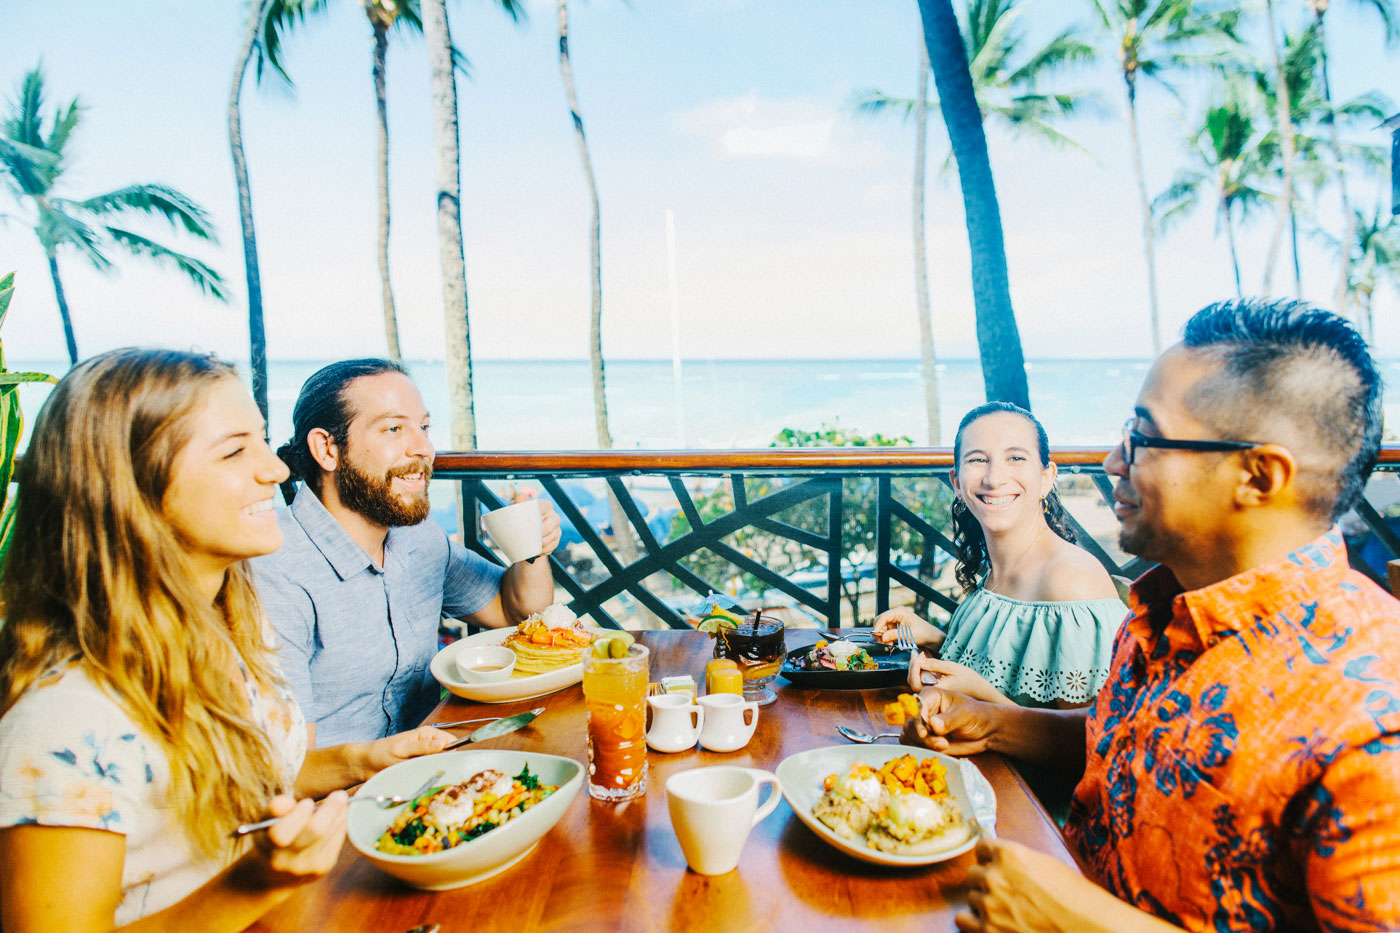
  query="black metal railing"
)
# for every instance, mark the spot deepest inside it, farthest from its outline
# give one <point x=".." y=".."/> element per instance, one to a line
<point x="835" y="533"/>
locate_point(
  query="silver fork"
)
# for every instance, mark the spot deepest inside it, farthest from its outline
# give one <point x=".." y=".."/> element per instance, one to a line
<point x="904" y="638"/>
<point x="384" y="802"/>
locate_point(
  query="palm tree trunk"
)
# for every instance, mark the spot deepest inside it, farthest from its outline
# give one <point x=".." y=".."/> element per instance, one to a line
<point x="391" y="321"/>
<point x="921" y="295"/>
<point x="1285" y="132"/>
<point x="622" y="534"/>
<point x="1293" y="242"/>
<point x="63" y="309"/>
<point x="595" y="319"/>
<point x="1149" y="246"/>
<point x="998" y="340"/>
<point x="1234" y="256"/>
<point x="257" y="333"/>
<point x="1339" y="291"/>
<point x="458" y="350"/>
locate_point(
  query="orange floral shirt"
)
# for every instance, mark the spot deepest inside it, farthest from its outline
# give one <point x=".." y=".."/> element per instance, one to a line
<point x="1243" y="760"/>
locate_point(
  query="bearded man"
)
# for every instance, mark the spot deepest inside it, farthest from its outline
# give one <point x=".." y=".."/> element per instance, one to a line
<point x="362" y="581"/>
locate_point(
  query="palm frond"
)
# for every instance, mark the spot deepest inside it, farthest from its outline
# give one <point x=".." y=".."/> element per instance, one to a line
<point x="870" y="102"/>
<point x="1067" y="48"/>
<point x="56" y="228"/>
<point x="1180" y="199"/>
<point x="203" y="276"/>
<point x="24" y="125"/>
<point x="26" y="165"/>
<point x="1389" y="18"/>
<point x="279" y="18"/>
<point x="1371" y="107"/>
<point x="161" y="200"/>
<point x="65" y="122"/>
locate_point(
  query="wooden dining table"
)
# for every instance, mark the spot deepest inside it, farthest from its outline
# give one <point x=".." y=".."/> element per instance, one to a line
<point x="608" y="866"/>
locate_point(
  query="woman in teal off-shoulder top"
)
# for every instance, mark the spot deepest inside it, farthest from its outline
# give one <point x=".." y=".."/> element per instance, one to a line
<point x="1039" y="629"/>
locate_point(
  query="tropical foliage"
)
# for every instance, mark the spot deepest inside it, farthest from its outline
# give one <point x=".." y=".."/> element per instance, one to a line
<point x="1012" y="81"/>
<point x="998" y="338"/>
<point x="33" y="164"/>
<point x="1231" y="160"/>
<point x="1152" y="39"/>
<point x="11" y="424"/>
<point x="1009" y="82"/>
<point x="926" y="497"/>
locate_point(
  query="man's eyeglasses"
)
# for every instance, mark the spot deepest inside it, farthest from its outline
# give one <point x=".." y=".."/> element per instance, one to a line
<point x="1132" y="440"/>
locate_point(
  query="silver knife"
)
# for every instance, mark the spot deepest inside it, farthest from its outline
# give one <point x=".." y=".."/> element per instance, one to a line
<point x="496" y="729"/>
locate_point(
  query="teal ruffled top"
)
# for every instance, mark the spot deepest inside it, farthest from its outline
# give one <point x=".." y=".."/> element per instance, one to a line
<point x="1036" y="653"/>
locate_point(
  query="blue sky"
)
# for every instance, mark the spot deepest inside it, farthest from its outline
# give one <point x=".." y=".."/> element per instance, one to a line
<point x="792" y="215"/>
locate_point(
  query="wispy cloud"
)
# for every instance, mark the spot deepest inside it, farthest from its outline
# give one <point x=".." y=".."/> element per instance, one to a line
<point x="751" y="126"/>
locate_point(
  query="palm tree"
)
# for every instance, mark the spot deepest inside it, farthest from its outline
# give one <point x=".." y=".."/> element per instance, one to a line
<point x="1010" y="92"/>
<point x="442" y="63"/>
<point x="1387" y="11"/>
<point x="384" y="15"/>
<point x="621" y="537"/>
<point x="1230" y="155"/>
<point x="595" y="328"/>
<point x="1151" y="38"/>
<point x="998" y="340"/>
<point x="1374" y="254"/>
<point x="1283" y="114"/>
<point x="257" y="332"/>
<point x="84" y="225"/>
<point x="921" y="295"/>
<point x="1311" y="111"/>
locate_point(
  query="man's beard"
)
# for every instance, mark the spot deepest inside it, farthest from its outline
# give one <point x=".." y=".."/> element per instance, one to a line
<point x="374" y="497"/>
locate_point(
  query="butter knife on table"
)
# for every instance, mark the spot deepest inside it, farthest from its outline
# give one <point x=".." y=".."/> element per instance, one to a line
<point x="496" y="729"/>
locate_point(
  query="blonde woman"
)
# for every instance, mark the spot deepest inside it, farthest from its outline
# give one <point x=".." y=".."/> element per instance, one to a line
<point x="142" y="715"/>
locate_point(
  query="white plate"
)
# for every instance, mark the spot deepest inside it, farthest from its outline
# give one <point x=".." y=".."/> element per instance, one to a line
<point x="480" y="858"/>
<point x="801" y="776"/>
<point x="444" y="668"/>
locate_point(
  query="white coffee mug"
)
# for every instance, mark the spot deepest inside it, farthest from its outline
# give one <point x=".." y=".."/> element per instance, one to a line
<point x="675" y="722"/>
<point x="712" y="811"/>
<point x="729" y="721"/>
<point x="518" y="529"/>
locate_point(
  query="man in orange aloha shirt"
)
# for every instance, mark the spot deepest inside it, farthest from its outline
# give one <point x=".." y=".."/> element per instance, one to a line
<point x="1241" y="766"/>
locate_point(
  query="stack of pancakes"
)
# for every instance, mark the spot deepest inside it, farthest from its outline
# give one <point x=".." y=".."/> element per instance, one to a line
<point x="548" y="641"/>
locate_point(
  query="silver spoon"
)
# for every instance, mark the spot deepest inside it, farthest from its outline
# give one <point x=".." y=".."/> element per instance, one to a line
<point x="865" y="738"/>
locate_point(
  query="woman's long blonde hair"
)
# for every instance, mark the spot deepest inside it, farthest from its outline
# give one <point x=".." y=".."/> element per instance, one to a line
<point x="98" y="573"/>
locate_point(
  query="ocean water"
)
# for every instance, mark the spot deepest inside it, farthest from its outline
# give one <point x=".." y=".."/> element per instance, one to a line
<point x="548" y="404"/>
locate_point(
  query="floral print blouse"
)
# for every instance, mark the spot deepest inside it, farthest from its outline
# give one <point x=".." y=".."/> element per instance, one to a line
<point x="69" y="756"/>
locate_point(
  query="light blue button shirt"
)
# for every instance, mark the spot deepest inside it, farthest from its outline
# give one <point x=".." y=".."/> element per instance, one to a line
<point x="356" y="637"/>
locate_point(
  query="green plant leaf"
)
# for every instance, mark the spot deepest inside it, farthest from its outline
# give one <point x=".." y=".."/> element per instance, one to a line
<point x="7" y="533"/>
<point x="7" y="291"/>
<point x="11" y="424"/>
<point x="9" y="379"/>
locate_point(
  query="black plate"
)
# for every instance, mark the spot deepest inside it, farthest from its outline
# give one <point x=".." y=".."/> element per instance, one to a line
<point x="892" y="671"/>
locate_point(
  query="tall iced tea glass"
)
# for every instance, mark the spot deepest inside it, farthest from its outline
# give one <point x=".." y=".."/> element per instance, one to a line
<point x="615" y="690"/>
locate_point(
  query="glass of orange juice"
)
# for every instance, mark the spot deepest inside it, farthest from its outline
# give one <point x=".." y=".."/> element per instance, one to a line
<point x="615" y="690"/>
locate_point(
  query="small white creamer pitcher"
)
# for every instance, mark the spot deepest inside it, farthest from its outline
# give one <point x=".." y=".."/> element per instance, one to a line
<point x="729" y="721"/>
<point x="675" y="722"/>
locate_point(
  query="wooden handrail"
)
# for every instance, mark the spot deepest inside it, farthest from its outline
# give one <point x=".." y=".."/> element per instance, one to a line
<point x="799" y="459"/>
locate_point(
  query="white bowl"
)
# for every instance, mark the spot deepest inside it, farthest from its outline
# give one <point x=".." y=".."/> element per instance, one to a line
<point x="473" y="662"/>
<point x="480" y="858"/>
<point x="800" y="777"/>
